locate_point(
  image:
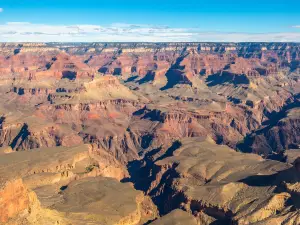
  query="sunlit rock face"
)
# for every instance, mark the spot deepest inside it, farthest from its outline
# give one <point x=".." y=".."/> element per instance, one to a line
<point x="149" y="133"/>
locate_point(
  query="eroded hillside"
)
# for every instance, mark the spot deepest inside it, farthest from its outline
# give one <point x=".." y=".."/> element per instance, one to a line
<point x="149" y="133"/>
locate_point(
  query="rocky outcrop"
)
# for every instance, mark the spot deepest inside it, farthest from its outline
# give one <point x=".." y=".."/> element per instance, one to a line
<point x="280" y="135"/>
<point x="104" y="201"/>
<point x="176" y="217"/>
<point x="32" y="191"/>
<point x="163" y="116"/>
<point x="14" y="199"/>
<point x="199" y="178"/>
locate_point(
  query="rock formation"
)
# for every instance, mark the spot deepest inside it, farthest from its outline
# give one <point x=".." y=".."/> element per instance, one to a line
<point x="149" y="133"/>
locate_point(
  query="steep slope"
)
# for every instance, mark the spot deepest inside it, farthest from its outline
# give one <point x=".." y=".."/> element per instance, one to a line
<point x="44" y="186"/>
<point x="200" y="178"/>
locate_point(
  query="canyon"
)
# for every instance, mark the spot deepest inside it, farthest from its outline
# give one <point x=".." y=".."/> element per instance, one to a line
<point x="149" y="133"/>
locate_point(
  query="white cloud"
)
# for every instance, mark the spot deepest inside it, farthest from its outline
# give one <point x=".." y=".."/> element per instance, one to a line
<point x="24" y="31"/>
<point x="18" y="23"/>
<point x="296" y="26"/>
<point x="1" y="10"/>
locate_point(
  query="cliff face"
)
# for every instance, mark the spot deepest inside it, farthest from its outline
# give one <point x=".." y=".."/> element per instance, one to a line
<point x="32" y="192"/>
<point x="226" y="91"/>
<point x="199" y="178"/>
<point x="14" y="199"/>
<point x="277" y="136"/>
<point x="71" y="114"/>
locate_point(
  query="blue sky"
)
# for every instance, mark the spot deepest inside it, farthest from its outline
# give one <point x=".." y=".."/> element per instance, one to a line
<point x="155" y="20"/>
